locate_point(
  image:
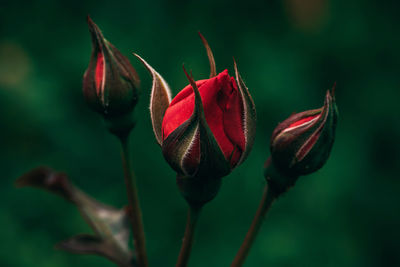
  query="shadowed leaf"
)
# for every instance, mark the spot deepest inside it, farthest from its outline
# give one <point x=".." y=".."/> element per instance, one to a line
<point x="90" y="244"/>
<point x="110" y="225"/>
<point x="45" y="178"/>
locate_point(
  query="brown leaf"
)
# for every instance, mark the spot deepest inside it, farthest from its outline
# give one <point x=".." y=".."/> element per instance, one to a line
<point x="90" y="244"/>
<point x="110" y="225"/>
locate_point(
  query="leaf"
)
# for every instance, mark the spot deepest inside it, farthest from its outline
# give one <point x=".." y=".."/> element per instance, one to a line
<point x="110" y="225"/>
<point x="46" y="178"/>
<point x="159" y="100"/>
<point x="90" y="244"/>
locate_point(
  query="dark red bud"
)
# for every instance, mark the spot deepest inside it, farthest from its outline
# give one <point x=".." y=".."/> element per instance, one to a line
<point x="302" y="143"/>
<point x="110" y="83"/>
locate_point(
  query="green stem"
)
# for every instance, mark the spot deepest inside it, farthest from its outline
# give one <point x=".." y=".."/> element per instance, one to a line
<point x="266" y="201"/>
<point x="135" y="213"/>
<point x="184" y="254"/>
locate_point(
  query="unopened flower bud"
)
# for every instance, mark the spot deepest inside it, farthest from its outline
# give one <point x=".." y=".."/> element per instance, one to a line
<point x="206" y="131"/>
<point x="110" y="83"/>
<point x="301" y="144"/>
<point x="222" y="108"/>
<point x="204" y="136"/>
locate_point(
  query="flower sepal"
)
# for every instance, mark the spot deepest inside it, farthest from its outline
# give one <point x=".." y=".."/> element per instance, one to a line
<point x="159" y="100"/>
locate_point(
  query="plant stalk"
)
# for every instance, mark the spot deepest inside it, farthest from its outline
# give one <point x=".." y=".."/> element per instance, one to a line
<point x="266" y="201"/>
<point x="184" y="254"/>
<point x="135" y="213"/>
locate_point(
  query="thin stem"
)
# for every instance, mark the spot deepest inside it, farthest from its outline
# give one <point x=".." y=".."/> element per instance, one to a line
<point x="135" y="213"/>
<point x="266" y="201"/>
<point x="184" y="254"/>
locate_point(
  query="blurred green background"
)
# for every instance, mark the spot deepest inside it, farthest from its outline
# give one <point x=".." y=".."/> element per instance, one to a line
<point x="289" y="52"/>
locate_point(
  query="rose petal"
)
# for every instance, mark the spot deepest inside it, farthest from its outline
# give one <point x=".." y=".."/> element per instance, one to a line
<point x="99" y="72"/>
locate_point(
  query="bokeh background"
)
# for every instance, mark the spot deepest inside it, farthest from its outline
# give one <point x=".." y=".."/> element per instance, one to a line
<point x="289" y="53"/>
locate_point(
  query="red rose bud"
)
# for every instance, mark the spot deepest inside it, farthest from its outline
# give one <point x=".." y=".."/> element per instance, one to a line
<point x="110" y="82"/>
<point x="205" y="131"/>
<point x="301" y="144"/>
<point x="204" y="128"/>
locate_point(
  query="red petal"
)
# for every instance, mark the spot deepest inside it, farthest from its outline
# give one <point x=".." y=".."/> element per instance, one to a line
<point x="304" y="120"/>
<point x="232" y="107"/>
<point x="99" y="72"/>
